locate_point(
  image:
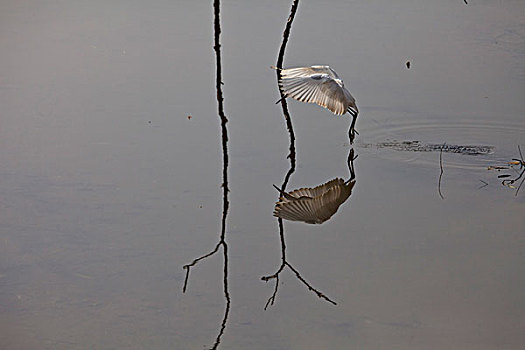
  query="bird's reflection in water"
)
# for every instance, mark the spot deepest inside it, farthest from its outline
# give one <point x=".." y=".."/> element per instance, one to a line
<point x="315" y="205"/>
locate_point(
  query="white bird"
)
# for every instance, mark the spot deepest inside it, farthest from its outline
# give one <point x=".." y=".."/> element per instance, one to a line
<point x="320" y="85"/>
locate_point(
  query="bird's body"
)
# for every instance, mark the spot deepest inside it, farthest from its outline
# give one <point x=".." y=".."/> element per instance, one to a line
<point x="320" y="85"/>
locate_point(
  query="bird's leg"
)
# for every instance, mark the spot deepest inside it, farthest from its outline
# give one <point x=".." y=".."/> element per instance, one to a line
<point x="352" y="132"/>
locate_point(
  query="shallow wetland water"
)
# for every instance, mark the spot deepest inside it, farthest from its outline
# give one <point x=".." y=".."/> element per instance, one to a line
<point x="112" y="164"/>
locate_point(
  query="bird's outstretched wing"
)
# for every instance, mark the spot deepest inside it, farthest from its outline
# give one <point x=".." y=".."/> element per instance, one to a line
<point x="316" y="85"/>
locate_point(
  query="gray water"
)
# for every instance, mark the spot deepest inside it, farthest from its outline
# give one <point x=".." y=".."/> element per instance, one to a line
<point x="107" y="187"/>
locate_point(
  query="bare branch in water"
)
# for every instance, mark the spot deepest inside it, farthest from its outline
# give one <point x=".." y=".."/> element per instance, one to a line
<point x="441" y="173"/>
<point x="319" y="294"/>
<point x="194" y="262"/>
<point x="292" y="157"/>
<point x="225" y="190"/>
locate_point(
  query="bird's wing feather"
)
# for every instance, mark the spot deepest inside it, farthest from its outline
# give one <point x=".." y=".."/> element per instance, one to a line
<point x="298" y="210"/>
<point x="333" y="97"/>
<point x="315" y="85"/>
<point x="306" y="71"/>
<point x="316" y="191"/>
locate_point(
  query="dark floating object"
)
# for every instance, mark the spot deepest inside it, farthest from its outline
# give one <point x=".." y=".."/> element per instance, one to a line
<point x="520" y="174"/>
<point x="189" y="117"/>
<point x="313" y="205"/>
<point x="498" y="168"/>
<point x="408" y="64"/>
<point x="417" y="146"/>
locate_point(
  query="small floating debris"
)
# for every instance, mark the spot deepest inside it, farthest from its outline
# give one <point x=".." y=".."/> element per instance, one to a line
<point x="418" y="146"/>
<point x="518" y="166"/>
<point x="498" y="168"/>
<point x="408" y="64"/>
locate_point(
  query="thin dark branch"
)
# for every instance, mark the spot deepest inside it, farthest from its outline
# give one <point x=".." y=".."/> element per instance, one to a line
<point x="319" y="294"/>
<point x="271" y="300"/>
<point x="284" y="104"/>
<point x="441" y="173"/>
<point x="286" y="34"/>
<point x="521" y="183"/>
<point x="275" y="276"/>
<point x="224" y="186"/>
<point x="228" y="300"/>
<point x="194" y="262"/>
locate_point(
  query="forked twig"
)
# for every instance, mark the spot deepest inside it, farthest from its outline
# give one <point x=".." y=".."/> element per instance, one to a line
<point x="194" y="262"/>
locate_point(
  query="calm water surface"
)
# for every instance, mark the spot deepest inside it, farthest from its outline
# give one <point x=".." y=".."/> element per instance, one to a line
<point x="108" y="187"/>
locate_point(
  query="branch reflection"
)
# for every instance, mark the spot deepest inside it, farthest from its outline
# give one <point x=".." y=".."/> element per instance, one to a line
<point x="311" y="205"/>
<point x="225" y="206"/>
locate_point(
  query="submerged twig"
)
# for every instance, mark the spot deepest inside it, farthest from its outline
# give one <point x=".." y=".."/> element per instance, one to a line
<point x="441" y="173"/>
<point x="225" y="190"/>
<point x="521" y="163"/>
<point x="520" y="172"/>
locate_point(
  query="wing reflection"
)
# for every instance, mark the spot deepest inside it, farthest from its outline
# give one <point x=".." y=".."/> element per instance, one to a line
<point x="313" y="205"/>
<point x="316" y="205"/>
